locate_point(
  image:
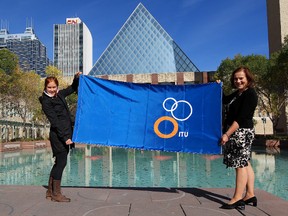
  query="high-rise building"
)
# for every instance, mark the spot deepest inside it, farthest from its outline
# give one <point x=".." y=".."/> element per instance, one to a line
<point x="29" y="49"/>
<point x="142" y="46"/>
<point x="73" y="46"/>
<point x="277" y="15"/>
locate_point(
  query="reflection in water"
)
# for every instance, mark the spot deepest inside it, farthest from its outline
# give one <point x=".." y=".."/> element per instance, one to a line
<point x="24" y="167"/>
<point x="117" y="167"/>
<point x="271" y="171"/>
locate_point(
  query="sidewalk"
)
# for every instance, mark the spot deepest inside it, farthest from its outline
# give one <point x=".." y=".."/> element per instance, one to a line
<point x="30" y="201"/>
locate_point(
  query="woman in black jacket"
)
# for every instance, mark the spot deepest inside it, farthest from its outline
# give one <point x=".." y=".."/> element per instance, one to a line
<point x="238" y="136"/>
<point x="55" y="108"/>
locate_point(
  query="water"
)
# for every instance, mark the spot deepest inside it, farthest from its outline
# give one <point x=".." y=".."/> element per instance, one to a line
<point x="93" y="166"/>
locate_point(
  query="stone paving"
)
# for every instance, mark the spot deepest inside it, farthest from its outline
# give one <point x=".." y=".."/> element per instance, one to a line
<point x="89" y="201"/>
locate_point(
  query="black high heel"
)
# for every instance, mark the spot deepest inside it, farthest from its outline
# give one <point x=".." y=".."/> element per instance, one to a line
<point x="240" y="204"/>
<point x="252" y="200"/>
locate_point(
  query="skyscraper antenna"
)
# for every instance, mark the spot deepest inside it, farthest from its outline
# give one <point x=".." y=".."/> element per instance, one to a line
<point x="29" y="22"/>
<point x="4" y="24"/>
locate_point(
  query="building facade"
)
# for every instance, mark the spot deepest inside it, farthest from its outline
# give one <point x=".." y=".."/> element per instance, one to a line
<point x="277" y="18"/>
<point x="73" y="46"/>
<point x="29" y="49"/>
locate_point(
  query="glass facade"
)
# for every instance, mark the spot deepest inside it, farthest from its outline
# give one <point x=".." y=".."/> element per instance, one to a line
<point x="66" y="48"/>
<point x="142" y="46"/>
<point x="72" y="47"/>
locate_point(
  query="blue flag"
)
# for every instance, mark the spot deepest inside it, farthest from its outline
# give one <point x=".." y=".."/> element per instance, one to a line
<point x="179" y="118"/>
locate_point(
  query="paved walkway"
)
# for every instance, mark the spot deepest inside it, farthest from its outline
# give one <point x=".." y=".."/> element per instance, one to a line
<point x="30" y="201"/>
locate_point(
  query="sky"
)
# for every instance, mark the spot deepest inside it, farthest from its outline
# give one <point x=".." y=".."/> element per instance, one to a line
<point x="208" y="31"/>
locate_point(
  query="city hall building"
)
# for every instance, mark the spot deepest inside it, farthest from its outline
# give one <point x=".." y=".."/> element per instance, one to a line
<point x="143" y="52"/>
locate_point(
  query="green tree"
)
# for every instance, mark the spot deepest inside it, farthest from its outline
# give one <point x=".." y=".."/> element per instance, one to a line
<point x="8" y="65"/>
<point x="53" y="71"/>
<point x="274" y="85"/>
<point x="8" y="61"/>
<point x="258" y="64"/>
<point x="4" y="81"/>
<point x="24" y="91"/>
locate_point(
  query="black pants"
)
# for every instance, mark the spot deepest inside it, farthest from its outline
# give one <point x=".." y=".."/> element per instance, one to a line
<point x="59" y="165"/>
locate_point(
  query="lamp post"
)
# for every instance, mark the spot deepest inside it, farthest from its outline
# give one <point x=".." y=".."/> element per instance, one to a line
<point x="264" y="122"/>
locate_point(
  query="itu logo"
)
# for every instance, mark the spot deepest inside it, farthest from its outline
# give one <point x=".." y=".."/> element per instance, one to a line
<point x="172" y="119"/>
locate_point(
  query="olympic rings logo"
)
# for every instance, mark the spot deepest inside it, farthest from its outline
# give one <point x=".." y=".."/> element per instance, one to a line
<point x="172" y="120"/>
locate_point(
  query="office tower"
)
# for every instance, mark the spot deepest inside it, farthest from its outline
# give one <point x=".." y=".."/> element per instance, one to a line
<point x="72" y="47"/>
<point x="29" y="49"/>
<point x="142" y="46"/>
<point x="277" y="15"/>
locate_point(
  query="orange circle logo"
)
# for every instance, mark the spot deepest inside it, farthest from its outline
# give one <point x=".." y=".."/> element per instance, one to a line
<point x="165" y="118"/>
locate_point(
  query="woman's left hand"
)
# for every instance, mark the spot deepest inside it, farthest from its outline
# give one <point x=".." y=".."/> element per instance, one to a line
<point x="78" y="74"/>
<point x="69" y="142"/>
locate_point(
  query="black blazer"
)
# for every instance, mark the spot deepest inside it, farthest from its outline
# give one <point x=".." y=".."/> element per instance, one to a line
<point x="241" y="108"/>
<point x="58" y="114"/>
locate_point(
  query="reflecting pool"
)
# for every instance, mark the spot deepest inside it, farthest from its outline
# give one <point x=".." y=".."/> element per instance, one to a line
<point x="94" y="166"/>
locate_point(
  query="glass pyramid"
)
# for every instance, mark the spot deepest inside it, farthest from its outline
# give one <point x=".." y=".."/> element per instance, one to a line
<point x="142" y="46"/>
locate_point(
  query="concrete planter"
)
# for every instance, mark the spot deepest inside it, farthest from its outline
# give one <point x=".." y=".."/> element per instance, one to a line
<point x="19" y="145"/>
<point x="36" y="144"/>
<point x="10" y="146"/>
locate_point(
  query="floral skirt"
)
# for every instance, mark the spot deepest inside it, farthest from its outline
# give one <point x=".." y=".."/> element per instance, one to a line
<point x="237" y="151"/>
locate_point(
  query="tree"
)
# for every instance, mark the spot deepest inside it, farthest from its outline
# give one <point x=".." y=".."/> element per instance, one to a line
<point x="274" y="85"/>
<point x="4" y="80"/>
<point x="24" y="91"/>
<point x="8" y="65"/>
<point x="8" y="61"/>
<point x="258" y="64"/>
